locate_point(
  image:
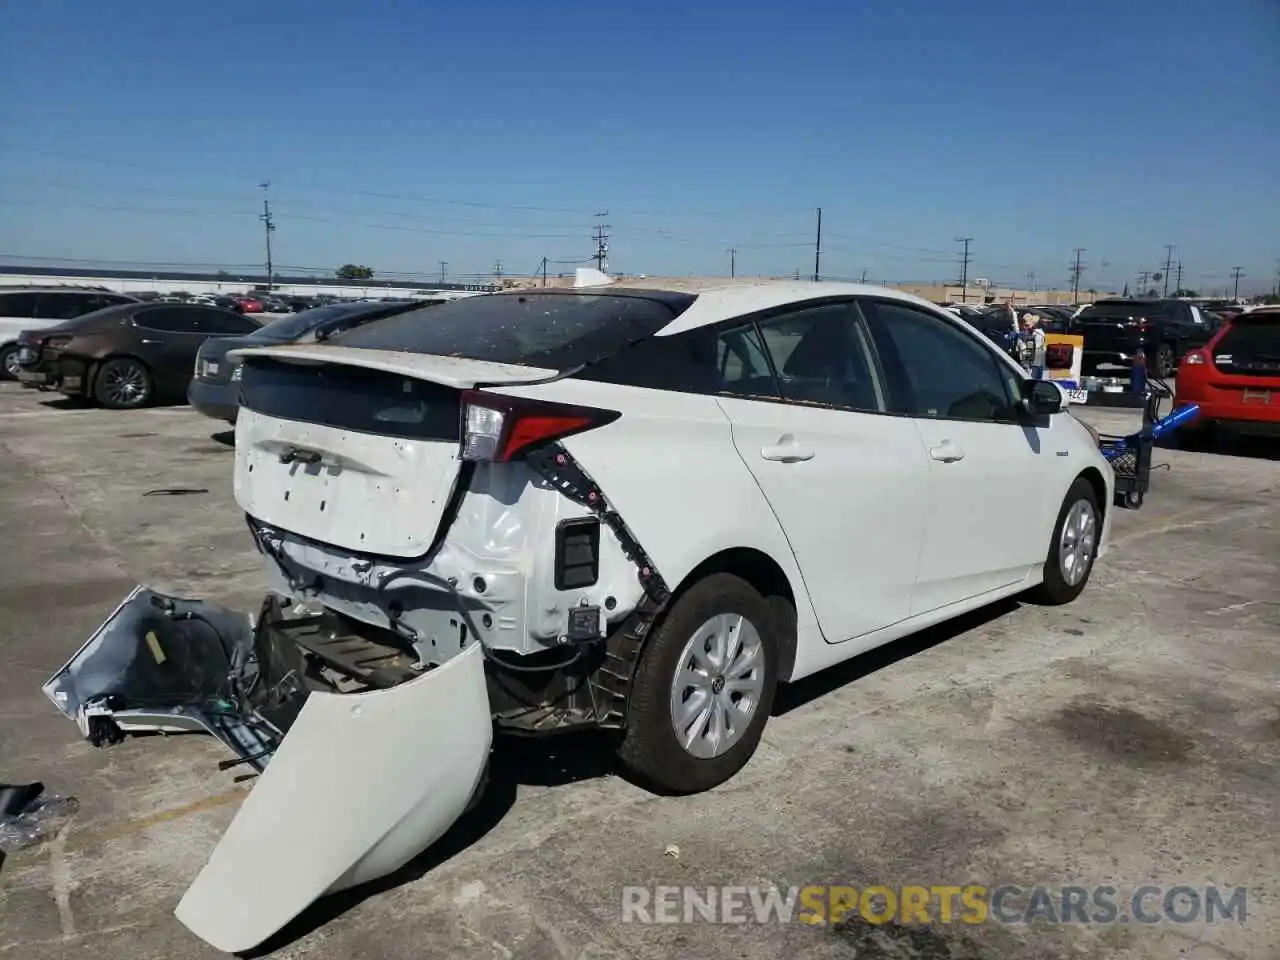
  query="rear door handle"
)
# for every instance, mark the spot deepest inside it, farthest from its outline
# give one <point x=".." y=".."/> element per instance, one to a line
<point x="786" y="450"/>
<point x="145" y="340"/>
<point x="946" y="452"/>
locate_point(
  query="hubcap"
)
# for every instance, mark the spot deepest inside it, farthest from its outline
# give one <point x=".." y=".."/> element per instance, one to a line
<point x="1079" y="536"/>
<point x="718" y="684"/>
<point x="124" y="385"/>
<point x="11" y="364"/>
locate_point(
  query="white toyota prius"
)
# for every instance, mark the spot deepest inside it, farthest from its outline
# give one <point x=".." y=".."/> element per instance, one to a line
<point x="545" y="510"/>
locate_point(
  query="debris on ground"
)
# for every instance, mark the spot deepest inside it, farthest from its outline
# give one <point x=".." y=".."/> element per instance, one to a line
<point x="27" y="817"/>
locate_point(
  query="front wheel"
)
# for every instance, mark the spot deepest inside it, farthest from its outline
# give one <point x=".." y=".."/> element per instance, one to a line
<point x="703" y="688"/>
<point x="9" y="362"/>
<point x="1073" y="548"/>
<point x="1166" y="363"/>
<point x="123" y="384"/>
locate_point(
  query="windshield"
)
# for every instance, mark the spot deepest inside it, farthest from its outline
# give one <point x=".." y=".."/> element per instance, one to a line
<point x="558" y="331"/>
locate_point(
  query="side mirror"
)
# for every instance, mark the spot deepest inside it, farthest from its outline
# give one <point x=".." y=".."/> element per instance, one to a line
<point x="1042" y="398"/>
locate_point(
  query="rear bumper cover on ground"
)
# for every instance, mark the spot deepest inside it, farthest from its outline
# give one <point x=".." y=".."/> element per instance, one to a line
<point x="353" y="786"/>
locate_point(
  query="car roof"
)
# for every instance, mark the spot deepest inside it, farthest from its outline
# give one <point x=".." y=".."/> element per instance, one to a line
<point x="1267" y="309"/>
<point x="35" y="288"/>
<point x="728" y="301"/>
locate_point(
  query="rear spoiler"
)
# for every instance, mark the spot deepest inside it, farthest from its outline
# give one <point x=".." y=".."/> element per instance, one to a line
<point x="460" y="373"/>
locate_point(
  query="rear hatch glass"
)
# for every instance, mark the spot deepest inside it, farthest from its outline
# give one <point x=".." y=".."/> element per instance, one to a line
<point x="1112" y="310"/>
<point x="352" y="398"/>
<point x="1251" y="347"/>
<point x="556" y="330"/>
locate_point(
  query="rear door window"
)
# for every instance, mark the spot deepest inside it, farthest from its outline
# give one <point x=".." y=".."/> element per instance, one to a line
<point x="167" y="319"/>
<point x="68" y="306"/>
<point x="20" y="305"/>
<point x="223" y="322"/>
<point x="559" y="331"/>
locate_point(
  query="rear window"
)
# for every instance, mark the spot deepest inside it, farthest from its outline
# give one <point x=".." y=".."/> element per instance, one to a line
<point x="351" y="398"/>
<point x="559" y="331"/>
<point x="1125" y="308"/>
<point x="1257" y="339"/>
<point x="296" y="324"/>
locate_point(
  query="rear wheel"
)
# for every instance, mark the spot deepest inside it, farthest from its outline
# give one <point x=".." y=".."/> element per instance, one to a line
<point x="703" y="688"/>
<point x="1073" y="548"/>
<point x="9" y="362"/>
<point x="123" y="384"/>
<point x="1166" y="361"/>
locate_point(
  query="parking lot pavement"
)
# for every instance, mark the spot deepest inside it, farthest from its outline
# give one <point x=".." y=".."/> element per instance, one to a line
<point x="1131" y="738"/>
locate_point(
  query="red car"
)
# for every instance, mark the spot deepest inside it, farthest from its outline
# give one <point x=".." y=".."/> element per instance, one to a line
<point x="1235" y="377"/>
<point x="249" y="305"/>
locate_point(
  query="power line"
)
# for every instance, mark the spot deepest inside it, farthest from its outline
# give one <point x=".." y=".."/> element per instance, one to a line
<point x="964" y="268"/>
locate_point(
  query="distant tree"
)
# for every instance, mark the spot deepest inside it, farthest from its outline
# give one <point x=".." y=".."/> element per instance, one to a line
<point x="1092" y="292"/>
<point x="1153" y="292"/>
<point x="354" y="271"/>
<point x="223" y="275"/>
<point x="1186" y="293"/>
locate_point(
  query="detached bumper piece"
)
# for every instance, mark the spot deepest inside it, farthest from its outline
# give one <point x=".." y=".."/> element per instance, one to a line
<point x="365" y="760"/>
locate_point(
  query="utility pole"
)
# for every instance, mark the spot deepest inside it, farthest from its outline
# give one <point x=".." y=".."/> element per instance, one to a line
<point x="544" y="271"/>
<point x="1236" y="274"/>
<point x="1178" y="287"/>
<point x="497" y="271"/>
<point x="733" y="262"/>
<point x="1142" y="282"/>
<point x="864" y="275"/>
<point x="601" y="239"/>
<point x="1031" y="280"/>
<point x="443" y="265"/>
<point x="964" y="268"/>
<point x="269" y="227"/>
<point x="1168" y="264"/>
<point x="817" y="250"/>
<point x="1077" y="270"/>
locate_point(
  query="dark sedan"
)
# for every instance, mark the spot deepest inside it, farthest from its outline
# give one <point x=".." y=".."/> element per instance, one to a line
<point x="215" y="389"/>
<point x="124" y="356"/>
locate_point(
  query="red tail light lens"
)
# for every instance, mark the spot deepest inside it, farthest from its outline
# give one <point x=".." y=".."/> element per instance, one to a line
<point x="1195" y="358"/>
<point x="498" y="428"/>
<point x="1144" y="325"/>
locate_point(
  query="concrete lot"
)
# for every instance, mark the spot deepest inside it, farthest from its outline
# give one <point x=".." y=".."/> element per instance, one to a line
<point x="1131" y="738"/>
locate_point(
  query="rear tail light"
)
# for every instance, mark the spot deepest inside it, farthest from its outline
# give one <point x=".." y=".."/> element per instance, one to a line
<point x="1195" y="358"/>
<point x="1144" y="325"/>
<point x="499" y="428"/>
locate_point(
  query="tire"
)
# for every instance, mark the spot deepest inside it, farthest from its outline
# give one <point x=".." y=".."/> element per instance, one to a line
<point x="721" y="605"/>
<point x="8" y="362"/>
<point x="123" y="384"/>
<point x="1063" y="581"/>
<point x="1166" y="361"/>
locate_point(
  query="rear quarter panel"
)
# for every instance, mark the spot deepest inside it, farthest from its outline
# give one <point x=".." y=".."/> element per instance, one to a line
<point x="669" y="468"/>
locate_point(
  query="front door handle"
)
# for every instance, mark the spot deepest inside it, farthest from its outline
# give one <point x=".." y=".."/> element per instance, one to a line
<point x="946" y="452"/>
<point x="145" y="340"/>
<point x="786" y="450"/>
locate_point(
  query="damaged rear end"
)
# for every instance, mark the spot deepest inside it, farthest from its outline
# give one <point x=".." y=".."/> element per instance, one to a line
<point x="439" y="564"/>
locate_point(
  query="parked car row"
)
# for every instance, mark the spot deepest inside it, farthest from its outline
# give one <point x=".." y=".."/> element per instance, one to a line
<point x="131" y="353"/>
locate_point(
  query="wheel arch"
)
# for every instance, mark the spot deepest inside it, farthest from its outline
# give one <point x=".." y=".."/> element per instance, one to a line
<point x="1096" y="481"/>
<point x="91" y="371"/>
<point x="768" y="577"/>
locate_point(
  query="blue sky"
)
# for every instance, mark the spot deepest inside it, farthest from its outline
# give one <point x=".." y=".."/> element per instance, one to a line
<point x="401" y="134"/>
